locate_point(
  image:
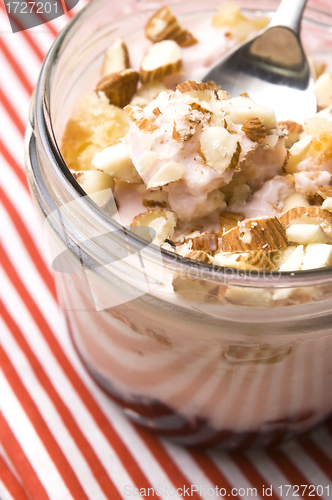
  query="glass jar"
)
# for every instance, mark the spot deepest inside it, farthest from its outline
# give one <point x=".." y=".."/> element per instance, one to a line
<point x="206" y="356"/>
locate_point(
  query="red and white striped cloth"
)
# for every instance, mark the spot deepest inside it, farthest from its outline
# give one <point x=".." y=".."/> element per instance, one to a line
<point x="60" y="437"/>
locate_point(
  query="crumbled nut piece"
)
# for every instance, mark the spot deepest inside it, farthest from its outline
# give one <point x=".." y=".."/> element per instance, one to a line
<point x="163" y="25"/>
<point x="116" y="58"/>
<point x="241" y="108"/>
<point x="146" y="93"/>
<point x="191" y="85"/>
<point x="205" y="242"/>
<point x="303" y="234"/>
<point x="327" y="205"/>
<point x="115" y="161"/>
<point x="119" y="87"/>
<point x="256" y="260"/>
<point x="154" y="203"/>
<point x="172" y="171"/>
<point x="219" y="148"/>
<point x="230" y="16"/>
<point x="136" y="116"/>
<point x="317" y="255"/>
<point x="156" y="112"/>
<point x="200" y="256"/>
<point x="162" y="59"/>
<point x="228" y="220"/>
<point x="297" y="153"/>
<point x="254" y="130"/>
<point x="255" y="234"/>
<point x="161" y="221"/>
<point x="294" y="130"/>
<point x="97" y="185"/>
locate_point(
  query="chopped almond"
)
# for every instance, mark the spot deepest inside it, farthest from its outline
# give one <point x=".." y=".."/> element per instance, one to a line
<point x="294" y="130"/>
<point x="325" y="192"/>
<point x="115" y="161"/>
<point x="119" y="87"/>
<point x="97" y="185"/>
<point x="205" y="242"/>
<point x="254" y="130"/>
<point x="317" y="255"/>
<point x="116" y="58"/>
<point x="307" y="215"/>
<point x="163" y="25"/>
<point x="219" y="148"/>
<point x="303" y="234"/>
<point x="255" y="234"/>
<point x="200" y="256"/>
<point x="297" y="153"/>
<point x="162" y="222"/>
<point x="162" y="59"/>
<point x="228" y="220"/>
<point x="172" y="171"/>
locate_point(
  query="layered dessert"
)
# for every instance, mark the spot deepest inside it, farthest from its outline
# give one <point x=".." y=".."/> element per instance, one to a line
<point x="216" y="179"/>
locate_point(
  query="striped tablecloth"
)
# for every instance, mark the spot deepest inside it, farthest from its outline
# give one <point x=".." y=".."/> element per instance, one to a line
<point x="60" y="437"/>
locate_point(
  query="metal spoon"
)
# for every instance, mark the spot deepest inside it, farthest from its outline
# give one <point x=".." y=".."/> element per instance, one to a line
<point x="272" y="67"/>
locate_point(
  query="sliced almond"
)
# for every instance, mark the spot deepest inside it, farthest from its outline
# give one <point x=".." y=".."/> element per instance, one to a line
<point x="254" y="130"/>
<point x="255" y="234"/>
<point x="172" y="171"/>
<point x="325" y="192"/>
<point x="228" y="220"/>
<point x="327" y="204"/>
<point x="294" y="130"/>
<point x="146" y="161"/>
<point x="294" y="261"/>
<point x="119" y="87"/>
<point x="317" y="255"/>
<point x="295" y="200"/>
<point x="200" y="256"/>
<point x="219" y="148"/>
<point x="97" y="185"/>
<point x="163" y="25"/>
<point x="256" y="260"/>
<point x="323" y="90"/>
<point x="116" y="58"/>
<point x="162" y="222"/>
<point x="147" y="93"/>
<point x="162" y="59"/>
<point x="242" y="108"/>
<point x="115" y="161"/>
<point x="308" y="215"/>
<point x="303" y="234"/>
<point x="298" y="152"/>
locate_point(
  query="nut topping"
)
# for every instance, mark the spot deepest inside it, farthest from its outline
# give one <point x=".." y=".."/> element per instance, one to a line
<point x="116" y="58"/>
<point x="254" y="130"/>
<point x="255" y="234"/>
<point x="119" y="87"/>
<point x="163" y="25"/>
<point x="162" y="59"/>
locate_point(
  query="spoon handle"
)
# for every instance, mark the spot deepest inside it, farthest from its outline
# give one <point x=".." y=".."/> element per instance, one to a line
<point x="289" y="14"/>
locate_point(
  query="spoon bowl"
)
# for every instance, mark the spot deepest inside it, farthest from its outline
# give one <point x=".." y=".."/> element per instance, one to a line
<point x="272" y="67"/>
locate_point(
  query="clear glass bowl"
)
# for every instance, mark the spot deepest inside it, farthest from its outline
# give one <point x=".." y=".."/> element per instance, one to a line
<point x="233" y="359"/>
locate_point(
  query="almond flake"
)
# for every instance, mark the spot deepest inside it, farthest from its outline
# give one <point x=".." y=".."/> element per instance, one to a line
<point x="162" y="59"/>
<point x="115" y="161"/>
<point x="294" y="130"/>
<point x="119" y="87"/>
<point x="219" y="148"/>
<point x="163" y="25"/>
<point x="295" y="200"/>
<point x="294" y="261"/>
<point x="297" y="153"/>
<point x="254" y="130"/>
<point x="303" y="234"/>
<point x="116" y="58"/>
<point x="200" y="256"/>
<point x="205" y="242"/>
<point x="228" y="220"/>
<point x="258" y="234"/>
<point x="317" y="255"/>
<point x="172" y="171"/>
<point x="308" y="215"/>
<point x="162" y="222"/>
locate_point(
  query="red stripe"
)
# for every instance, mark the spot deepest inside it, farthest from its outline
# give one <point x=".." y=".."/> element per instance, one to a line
<point x="16" y="68"/>
<point x="14" y="165"/>
<point x="12" y="113"/>
<point x="11" y="482"/>
<point x="82" y="443"/>
<point x="29" y="244"/>
<point x="124" y="455"/>
<point x="16" y="455"/>
<point x="252" y="474"/>
<point x="317" y="455"/>
<point x="53" y="449"/>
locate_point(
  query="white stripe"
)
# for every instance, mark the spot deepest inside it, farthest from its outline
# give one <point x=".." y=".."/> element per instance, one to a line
<point x="270" y="472"/>
<point x="29" y="215"/>
<point x="15" y="91"/>
<point x="4" y="493"/>
<point x="11" y="136"/>
<point x="50" y="416"/>
<point x="305" y="464"/>
<point x="31" y="444"/>
<point x="230" y="470"/>
<point x="190" y="469"/>
<point x="80" y="413"/>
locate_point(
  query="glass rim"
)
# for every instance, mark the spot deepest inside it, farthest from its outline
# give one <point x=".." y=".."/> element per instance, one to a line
<point x="43" y="121"/>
